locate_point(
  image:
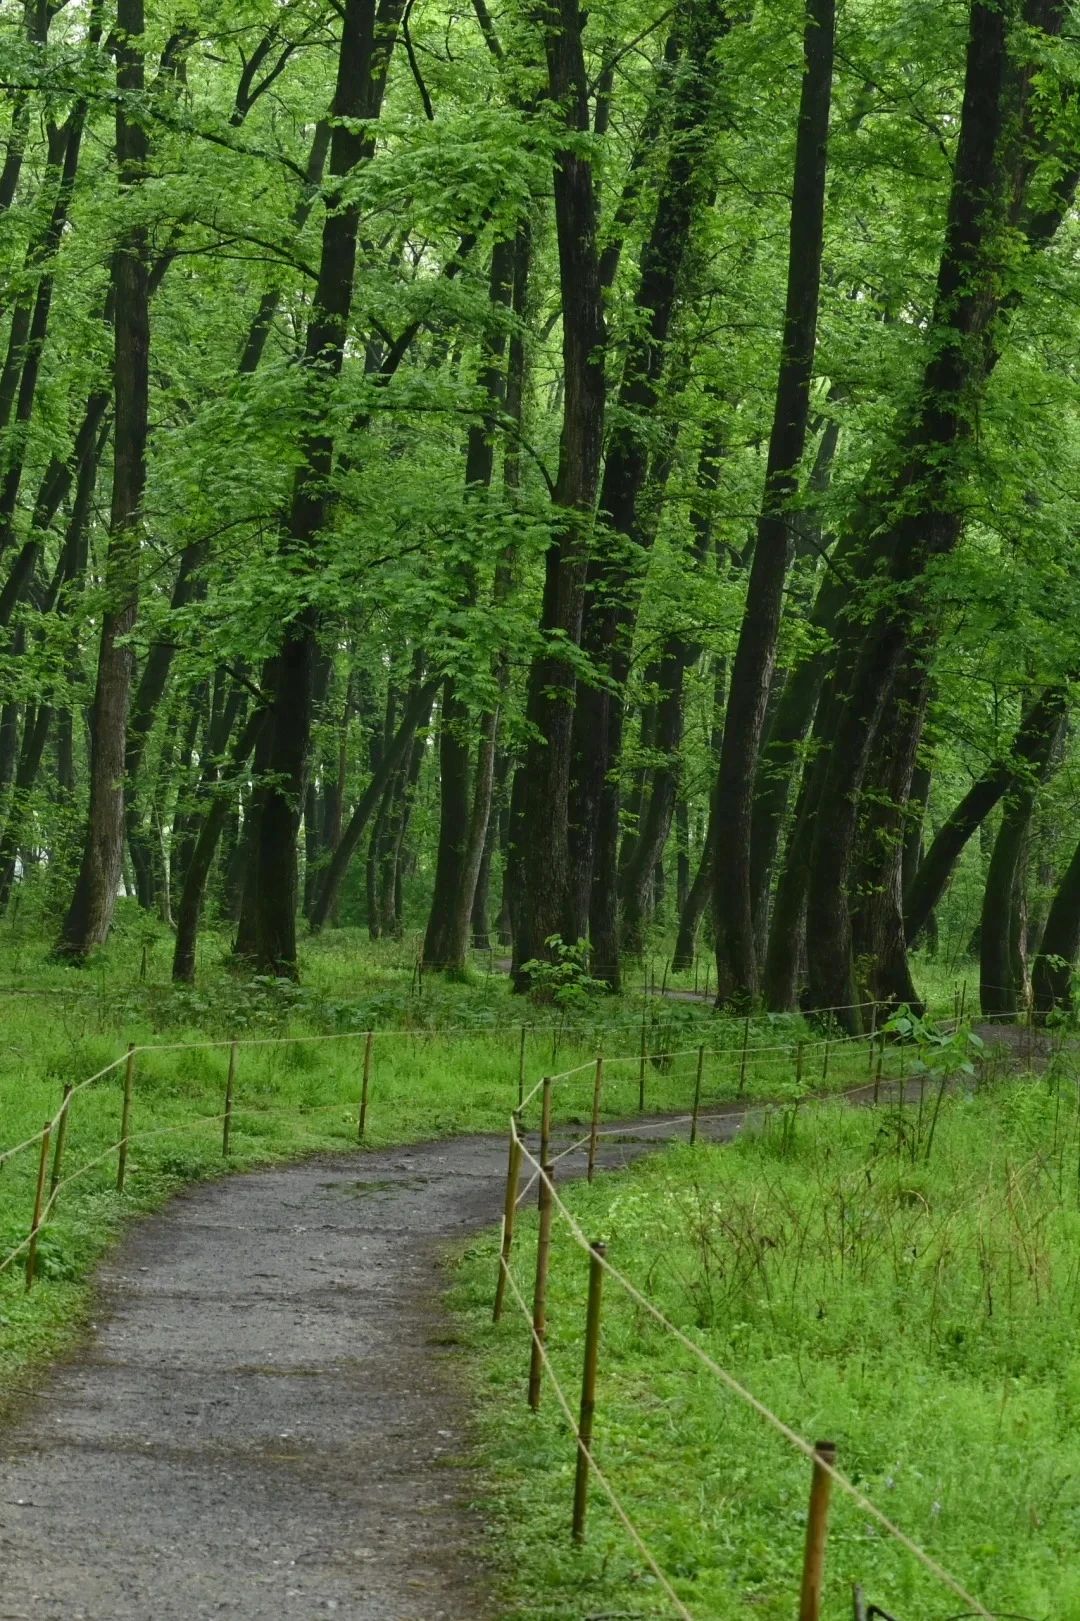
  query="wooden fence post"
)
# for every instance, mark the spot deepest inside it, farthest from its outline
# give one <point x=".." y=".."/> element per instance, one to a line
<point x="697" y="1094"/>
<point x="742" y="1061"/>
<point x="873" y="1033"/>
<point x="513" y="1173"/>
<point x="125" y="1117"/>
<point x="545" y="1122"/>
<point x="825" y="1058"/>
<point x="543" y="1256"/>
<point x="800" y="1053"/>
<point x="594" y="1129"/>
<point x="61" y="1137"/>
<point x="817" y="1523"/>
<point x="230" y="1083"/>
<point x="39" y="1196"/>
<point x="588" y="1389"/>
<point x="641" y="1065"/>
<point x="878" y="1068"/>
<point x="365" y="1085"/>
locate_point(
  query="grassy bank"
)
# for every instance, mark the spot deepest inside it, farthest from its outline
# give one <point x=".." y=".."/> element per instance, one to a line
<point x="913" y="1299"/>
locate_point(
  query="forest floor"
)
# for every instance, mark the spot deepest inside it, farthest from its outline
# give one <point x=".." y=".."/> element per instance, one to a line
<point x="266" y="1419"/>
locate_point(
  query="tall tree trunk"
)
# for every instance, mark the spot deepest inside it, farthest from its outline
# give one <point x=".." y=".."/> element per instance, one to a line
<point x="90" y="912"/>
<point x="367" y="40"/>
<point x="755" y="655"/>
<point x="540" y="851"/>
<point x="464" y="809"/>
<point x="616" y="571"/>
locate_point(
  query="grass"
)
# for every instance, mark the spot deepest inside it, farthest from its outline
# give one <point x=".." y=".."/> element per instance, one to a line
<point x="446" y="1062"/>
<point x="911" y="1296"/>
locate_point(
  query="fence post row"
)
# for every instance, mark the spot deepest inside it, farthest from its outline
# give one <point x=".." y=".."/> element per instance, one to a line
<point x="588" y="1389"/>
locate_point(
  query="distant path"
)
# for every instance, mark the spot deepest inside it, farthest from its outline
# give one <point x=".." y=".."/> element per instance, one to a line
<point x="267" y="1422"/>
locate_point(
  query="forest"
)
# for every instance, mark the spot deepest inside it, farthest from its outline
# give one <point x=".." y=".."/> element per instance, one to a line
<point x="546" y="479"/>
<point x="539" y="654"/>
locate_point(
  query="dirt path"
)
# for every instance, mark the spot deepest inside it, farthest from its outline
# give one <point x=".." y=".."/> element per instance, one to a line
<point x="267" y="1421"/>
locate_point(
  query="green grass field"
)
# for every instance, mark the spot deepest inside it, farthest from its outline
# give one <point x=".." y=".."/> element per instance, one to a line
<point x="913" y="1300"/>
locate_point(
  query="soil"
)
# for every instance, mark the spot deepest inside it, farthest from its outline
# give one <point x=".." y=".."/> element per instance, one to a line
<point x="268" y="1419"/>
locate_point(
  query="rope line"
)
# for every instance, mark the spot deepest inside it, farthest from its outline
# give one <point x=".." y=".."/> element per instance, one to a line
<point x="740" y="1390"/>
<point x="609" y="1491"/>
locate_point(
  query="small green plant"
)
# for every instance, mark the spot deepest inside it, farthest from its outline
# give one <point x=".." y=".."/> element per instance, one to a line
<point x="563" y="979"/>
<point x="940" y="1056"/>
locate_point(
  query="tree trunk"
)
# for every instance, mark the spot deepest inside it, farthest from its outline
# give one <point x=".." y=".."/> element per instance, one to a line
<point x="189" y="910"/>
<point x="637" y="877"/>
<point x="540" y="851"/>
<point x="90" y="912"/>
<point x="417" y="706"/>
<point x="616" y="570"/>
<point x="682" y="869"/>
<point x="441" y="946"/>
<point x="755" y="656"/>
<point x="884" y="976"/>
<point x="1052" y="975"/>
<point x="1037" y="727"/>
<point x="367" y="41"/>
<point x="1002" y="955"/>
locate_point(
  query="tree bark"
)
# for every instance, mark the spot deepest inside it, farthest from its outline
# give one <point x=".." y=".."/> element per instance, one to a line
<point x="755" y="655"/>
<point x="189" y="909"/>
<point x="367" y="40"/>
<point x="90" y="913"/>
<point x="1052" y="974"/>
<point x="417" y="707"/>
<point x="540" y="850"/>
<point x="616" y="571"/>
<point x="1037" y="727"/>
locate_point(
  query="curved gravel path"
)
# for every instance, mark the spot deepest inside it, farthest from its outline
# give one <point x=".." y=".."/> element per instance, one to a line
<point x="266" y="1422"/>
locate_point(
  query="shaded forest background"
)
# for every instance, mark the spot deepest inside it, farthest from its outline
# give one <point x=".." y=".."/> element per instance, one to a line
<point x="545" y="476"/>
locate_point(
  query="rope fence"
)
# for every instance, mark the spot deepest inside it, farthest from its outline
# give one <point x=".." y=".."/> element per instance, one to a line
<point x="820" y="1455"/>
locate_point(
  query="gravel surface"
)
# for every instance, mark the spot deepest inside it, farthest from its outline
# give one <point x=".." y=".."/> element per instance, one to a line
<point x="267" y="1420"/>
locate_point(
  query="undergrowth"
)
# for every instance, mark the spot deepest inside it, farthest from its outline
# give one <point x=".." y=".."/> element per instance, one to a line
<point x="911" y="1296"/>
